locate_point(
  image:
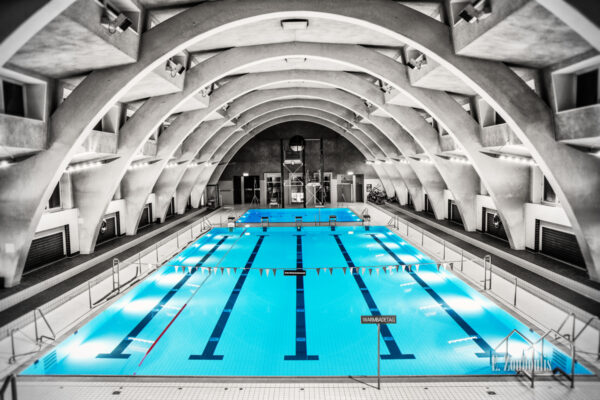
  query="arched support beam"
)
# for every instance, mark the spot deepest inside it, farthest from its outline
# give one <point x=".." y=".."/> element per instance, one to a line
<point x="276" y="116"/>
<point x="578" y="16"/>
<point x="343" y="118"/>
<point x="21" y="20"/>
<point x="496" y="83"/>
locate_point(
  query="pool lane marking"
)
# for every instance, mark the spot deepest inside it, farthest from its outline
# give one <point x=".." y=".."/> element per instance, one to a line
<point x="483" y="345"/>
<point x="215" y="337"/>
<point x="118" y="350"/>
<point x="174" y="318"/>
<point x="301" y="341"/>
<point x="388" y="338"/>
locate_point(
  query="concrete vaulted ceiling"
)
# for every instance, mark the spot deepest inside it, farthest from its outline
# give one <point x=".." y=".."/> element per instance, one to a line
<point x="259" y="88"/>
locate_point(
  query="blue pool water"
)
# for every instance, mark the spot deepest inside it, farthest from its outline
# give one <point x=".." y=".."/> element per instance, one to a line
<point x="243" y="320"/>
<point x="278" y="215"/>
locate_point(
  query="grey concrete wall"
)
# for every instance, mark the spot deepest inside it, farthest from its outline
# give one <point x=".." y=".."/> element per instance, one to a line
<point x="261" y="154"/>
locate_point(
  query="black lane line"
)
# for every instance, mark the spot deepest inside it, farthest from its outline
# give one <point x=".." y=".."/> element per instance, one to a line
<point x="483" y="345"/>
<point x="301" y="345"/>
<point x="118" y="350"/>
<point x="215" y="337"/>
<point x="388" y="338"/>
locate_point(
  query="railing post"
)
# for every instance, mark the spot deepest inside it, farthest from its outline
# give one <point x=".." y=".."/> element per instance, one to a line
<point x="156" y="253"/>
<point x="13" y="387"/>
<point x="462" y="257"/>
<point x="13" y="358"/>
<point x="444" y="251"/>
<point x="516" y="287"/>
<point x="35" y="327"/>
<point x="90" y="294"/>
<point x="177" y="235"/>
<point x="532" y="366"/>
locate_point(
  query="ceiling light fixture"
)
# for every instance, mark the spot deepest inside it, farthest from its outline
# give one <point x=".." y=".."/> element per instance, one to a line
<point x="294" y="24"/>
<point x="417" y="62"/>
<point x="113" y="20"/>
<point x="477" y="11"/>
<point x="174" y="68"/>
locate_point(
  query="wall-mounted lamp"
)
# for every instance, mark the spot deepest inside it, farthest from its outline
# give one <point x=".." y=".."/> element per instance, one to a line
<point x="5" y="163"/>
<point x="350" y="173"/>
<point x="245" y="174"/>
<point x="113" y="20"/>
<point x="477" y="11"/>
<point x="417" y="62"/>
<point x="174" y="68"/>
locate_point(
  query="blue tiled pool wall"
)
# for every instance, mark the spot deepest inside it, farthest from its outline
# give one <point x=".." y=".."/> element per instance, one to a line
<point x="217" y="328"/>
<point x="288" y="215"/>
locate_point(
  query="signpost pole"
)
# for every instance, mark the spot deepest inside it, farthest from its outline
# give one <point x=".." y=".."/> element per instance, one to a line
<point x="378" y="357"/>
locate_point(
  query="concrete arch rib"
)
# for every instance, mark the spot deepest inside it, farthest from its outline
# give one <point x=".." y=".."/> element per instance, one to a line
<point x="493" y="81"/>
<point x="266" y="120"/>
<point x="21" y="20"/>
<point x="269" y="119"/>
<point x="165" y="187"/>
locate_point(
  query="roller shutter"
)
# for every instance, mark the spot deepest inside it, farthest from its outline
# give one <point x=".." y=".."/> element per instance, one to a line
<point x="453" y="213"/>
<point x="146" y="218"/>
<point x="110" y="232"/>
<point x="45" y="250"/>
<point x="561" y="245"/>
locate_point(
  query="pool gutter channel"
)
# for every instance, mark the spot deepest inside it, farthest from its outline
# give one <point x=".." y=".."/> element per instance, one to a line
<point x="293" y="379"/>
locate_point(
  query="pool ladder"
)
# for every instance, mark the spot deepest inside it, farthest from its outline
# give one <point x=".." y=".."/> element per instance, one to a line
<point x="543" y="364"/>
<point x="39" y="338"/>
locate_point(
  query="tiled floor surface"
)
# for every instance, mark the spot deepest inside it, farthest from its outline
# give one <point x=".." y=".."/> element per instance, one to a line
<point x="513" y="389"/>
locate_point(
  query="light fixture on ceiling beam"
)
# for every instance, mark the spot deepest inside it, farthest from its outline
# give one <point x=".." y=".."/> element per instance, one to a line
<point x="294" y="24"/>
<point x="84" y="166"/>
<point x="383" y="86"/>
<point x="174" y="68"/>
<point x="295" y="60"/>
<point x="417" y="62"/>
<point x="113" y="20"/>
<point x="4" y="163"/>
<point x="511" y="158"/>
<point x="477" y="11"/>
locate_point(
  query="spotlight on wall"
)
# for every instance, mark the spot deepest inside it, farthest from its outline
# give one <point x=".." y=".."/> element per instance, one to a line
<point x="477" y="11"/>
<point x="350" y="173"/>
<point x="4" y="163"/>
<point x="245" y="174"/>
<point x="417" y="62"/>
<point x="462" y="160"/>
<point x="511" y="158"/>
<point x="294" y="24"/>
<point x="383" y="86"/>
<point x="113" y="20"/>
<point x="84" y="166"/>
<point x="174" y="68"/>
<point x="369" y="162"/>
<point x="138" y="165"/>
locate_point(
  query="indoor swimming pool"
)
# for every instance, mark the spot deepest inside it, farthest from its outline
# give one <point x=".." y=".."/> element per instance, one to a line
<point x="225" y="307"/>
<point x="288" y="215"/>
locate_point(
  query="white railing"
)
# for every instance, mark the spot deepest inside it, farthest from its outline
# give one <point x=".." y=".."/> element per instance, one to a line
<point x="521" y="295"/>
<point x="96" y="291"/>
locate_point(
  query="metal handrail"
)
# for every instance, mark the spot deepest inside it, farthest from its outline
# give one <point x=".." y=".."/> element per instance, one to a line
<point x="12" y="381"/>
<point x="13" y="358"/>
<point x="40" y="338"/>
<point x="493" y="355"/>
